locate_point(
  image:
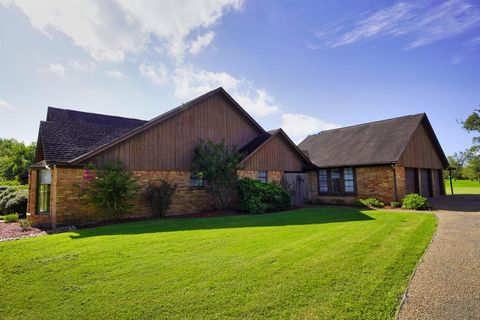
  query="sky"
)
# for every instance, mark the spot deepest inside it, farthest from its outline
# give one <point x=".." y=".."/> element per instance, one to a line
<point x="305" y="66"/>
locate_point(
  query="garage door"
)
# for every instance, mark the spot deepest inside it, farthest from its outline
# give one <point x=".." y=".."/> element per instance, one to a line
<point x="425" y="183"/>
<point x="411" y="180"/>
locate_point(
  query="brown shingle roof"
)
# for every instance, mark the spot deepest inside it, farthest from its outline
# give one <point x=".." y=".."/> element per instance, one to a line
<point x="379" y="142"/>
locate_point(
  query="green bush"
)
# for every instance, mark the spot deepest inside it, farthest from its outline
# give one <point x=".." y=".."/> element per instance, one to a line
<point x="371" y="203"/>
<point x="5" y="183"/>
<point x="160" y="196"/>
<point x="415" y="201"/>
<point x="9" y="218"/>
<point x="25" y="224"/>
<point x="6" y="195"/>
<point x="17" y="204"/>
<point x="395" y="204"/>
<point x="112" y="189"/>
<point x="257" y="197"/>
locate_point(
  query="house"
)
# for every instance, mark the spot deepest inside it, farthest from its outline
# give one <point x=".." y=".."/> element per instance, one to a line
<point x="384" y="159"/>
<point x="161" y="148"/>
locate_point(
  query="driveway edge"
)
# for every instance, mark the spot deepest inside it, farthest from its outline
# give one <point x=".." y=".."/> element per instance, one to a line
<point x="405" y="294"/>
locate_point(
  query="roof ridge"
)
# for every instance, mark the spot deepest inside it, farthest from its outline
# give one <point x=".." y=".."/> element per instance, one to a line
<point x="95" y="114"/>
<point x="371" y="122"/>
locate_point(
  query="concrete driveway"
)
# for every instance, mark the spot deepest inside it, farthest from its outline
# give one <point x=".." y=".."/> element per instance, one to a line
<point x="446" y="284"/>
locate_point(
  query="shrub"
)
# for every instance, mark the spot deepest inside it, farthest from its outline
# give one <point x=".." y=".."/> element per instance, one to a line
<point x="111" y="190"/>
<point x="395" y="204"/>
<point x="9" y="218"/>
<point x="5" y="183"/>
<point x="5" y="196"/>
<point x="218" y="163"/>
<point x="415" y="201"/>
<point x="370" y="202"/>
<point x="25" y="224"/>
<point x="257" y="197"/>
<point x="160" y="196"/>
<point x="18" y="203"/>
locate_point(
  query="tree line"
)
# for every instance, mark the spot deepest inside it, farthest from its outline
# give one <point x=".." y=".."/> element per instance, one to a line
<point x="15" y="159"/>
<point x="467" y="162"/>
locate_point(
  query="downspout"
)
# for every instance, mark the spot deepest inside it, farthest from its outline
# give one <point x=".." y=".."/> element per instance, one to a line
<point x="395" y="191"/>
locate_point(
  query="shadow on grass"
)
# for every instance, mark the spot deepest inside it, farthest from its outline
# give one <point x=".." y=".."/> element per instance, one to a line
<point x="305" y="216"/>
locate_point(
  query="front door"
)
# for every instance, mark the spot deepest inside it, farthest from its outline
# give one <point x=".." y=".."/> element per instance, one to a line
<point x="299" y="190"/>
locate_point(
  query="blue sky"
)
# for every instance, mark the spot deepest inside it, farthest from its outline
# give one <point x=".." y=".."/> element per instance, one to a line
<point x="304" y="66"/>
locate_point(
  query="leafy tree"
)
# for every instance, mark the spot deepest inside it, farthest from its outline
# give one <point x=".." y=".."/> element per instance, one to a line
<point x="219" y="164"/>
<point x="469" y="160"/>
<point x="15" y="158"/>
<point x="111" y="189"/>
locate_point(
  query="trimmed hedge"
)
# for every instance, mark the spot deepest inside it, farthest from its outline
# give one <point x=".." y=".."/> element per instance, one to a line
<point x="257" y="197"/>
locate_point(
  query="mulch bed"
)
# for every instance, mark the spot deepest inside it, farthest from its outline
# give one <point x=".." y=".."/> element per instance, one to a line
<point x="11" y="231"/>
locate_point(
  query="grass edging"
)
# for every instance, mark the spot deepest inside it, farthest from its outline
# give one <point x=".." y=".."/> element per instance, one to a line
<point x="405" y="294"/>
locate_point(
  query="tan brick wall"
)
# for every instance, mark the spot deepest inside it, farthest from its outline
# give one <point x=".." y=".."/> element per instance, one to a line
<point x="401" y="186"/>
<point x="273" y="176"/>
<point x="375" y="181"/>
<point x="73" y="210"/>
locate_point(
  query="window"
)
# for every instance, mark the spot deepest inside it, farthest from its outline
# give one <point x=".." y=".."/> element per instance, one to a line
<point x="197" y="180"/>
<point x="337" y="181"/>
<point x="263" y="176"/>
<point x="322" y="181"/>
<point x="348" y="179"/>
<point x="43" y="191"/>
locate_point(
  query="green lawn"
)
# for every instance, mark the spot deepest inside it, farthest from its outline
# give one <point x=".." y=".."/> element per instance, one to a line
<point x="463" y="187"/>
<point x="310" y="263"/>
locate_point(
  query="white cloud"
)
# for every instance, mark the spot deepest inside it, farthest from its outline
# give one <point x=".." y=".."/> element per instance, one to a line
<point x="82" y="66"/>
<point x="158" y="74"/>
<point x="109" y="30"/>
<point x="298" y="126"/>
<point x="116" y="74"/>
<point x="6" y="105"/>
<point x="201" y="42"/>
<point x="56" y="68"/>
<point x="424" y="22"/>
<point x="191" y="82"/>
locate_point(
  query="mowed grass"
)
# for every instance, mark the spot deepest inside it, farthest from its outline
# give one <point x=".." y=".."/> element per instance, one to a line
<point x="323" y="263"/>
<point x="463" y="187"/>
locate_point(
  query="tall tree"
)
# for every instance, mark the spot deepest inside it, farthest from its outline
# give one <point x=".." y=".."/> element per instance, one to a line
<point x="218" y="163"/>
<point x="15" y="158"/>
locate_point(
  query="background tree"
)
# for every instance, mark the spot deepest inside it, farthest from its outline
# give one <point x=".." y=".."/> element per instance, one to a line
<point x="219" y="164"/>
<point x="15" y="158"/>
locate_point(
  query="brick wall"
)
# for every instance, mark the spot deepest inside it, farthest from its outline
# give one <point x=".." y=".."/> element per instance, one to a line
<point x="375" y="181"/>
<point x="67" y="207"/>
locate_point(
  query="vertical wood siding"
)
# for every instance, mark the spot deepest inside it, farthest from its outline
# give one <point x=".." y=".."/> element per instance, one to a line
<point x="420" y="151"/>
<point x="276" y="154"/>
<point x="169" y="145"/>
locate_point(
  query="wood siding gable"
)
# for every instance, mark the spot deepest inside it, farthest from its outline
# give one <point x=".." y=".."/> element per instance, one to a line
<point x="277" y="153"/>
<point x="169" y="144"/>
<point x="423" y="149"/>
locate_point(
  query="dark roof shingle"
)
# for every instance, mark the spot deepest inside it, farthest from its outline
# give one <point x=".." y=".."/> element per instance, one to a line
<point x="377" y="142"/>
<point x="68" y="134"/>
